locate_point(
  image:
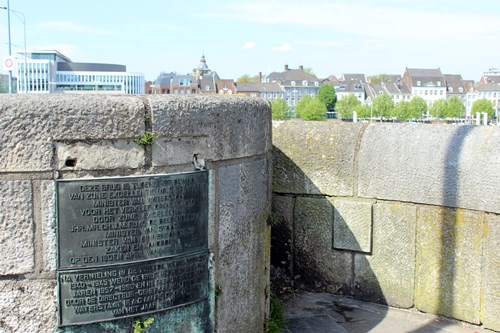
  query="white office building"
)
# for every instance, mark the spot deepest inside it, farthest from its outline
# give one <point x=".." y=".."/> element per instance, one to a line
<point x="43" y="72"/>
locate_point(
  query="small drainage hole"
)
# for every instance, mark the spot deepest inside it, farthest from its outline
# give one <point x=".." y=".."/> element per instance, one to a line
<point x="70" y="162"/>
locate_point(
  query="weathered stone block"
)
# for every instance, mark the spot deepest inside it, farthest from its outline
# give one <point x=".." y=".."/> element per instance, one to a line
<point x="491" y="274"/>
<point x="314" y="157"/>
<point x="443" y="165"/>
<point x="213" y="127"/>
<point x="16" y="227"/>
<point x="282" y="239"/>
<point x="100" y="155"/>
<point x="242" y="268"/>
<point x="31" y="123"/>
<point x="352" y="225"/>
<point x="388" y="275"/>
<point x="27" y="306"/>
<point x="317" y="264"/>
<point x="49" y="237"/>
<point x="448" y="267"/>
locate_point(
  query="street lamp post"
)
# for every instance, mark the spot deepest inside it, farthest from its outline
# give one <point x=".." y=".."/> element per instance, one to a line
<point x="23" y="19"/>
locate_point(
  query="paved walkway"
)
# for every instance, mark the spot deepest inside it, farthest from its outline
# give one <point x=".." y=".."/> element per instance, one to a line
<point x="326" y="313"/>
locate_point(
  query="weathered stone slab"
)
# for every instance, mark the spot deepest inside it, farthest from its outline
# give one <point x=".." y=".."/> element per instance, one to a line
<point x="214" y="127"/>
<point x="16" y="227"/>
<point x="448" y="267"/>
<point x="491" y="274"/>
<point x="27" y="306"/>
<point x="316" y="263"/>
<point x="387" y="276"/>
<point x="453" y="166"/>
<point x="242" y="266"/>
<point x="352" y="225"/>
<point x="49" y="236"/>
<point x="100" y="155"/>
<point x="30" y="123"/>
<point x="314" y="157"/>
<point x="282" y="239"/>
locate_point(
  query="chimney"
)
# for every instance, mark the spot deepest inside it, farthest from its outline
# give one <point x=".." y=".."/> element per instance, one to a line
<point x="286" y="68"/>
<point x="301" y="68"/>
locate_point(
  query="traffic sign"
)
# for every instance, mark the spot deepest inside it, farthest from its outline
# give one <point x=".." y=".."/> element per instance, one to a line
<point x="8" y="63"/>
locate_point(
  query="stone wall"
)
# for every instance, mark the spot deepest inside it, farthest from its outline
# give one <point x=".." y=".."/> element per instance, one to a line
<point x="401" y="214"/>
<point x="49" y="137"/>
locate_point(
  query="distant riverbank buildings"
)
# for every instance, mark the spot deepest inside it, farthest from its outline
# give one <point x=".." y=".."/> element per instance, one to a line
<point x="43" y="72"/>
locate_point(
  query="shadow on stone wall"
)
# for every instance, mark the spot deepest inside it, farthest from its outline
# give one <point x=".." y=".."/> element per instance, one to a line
<point x="303" y="256"/>
<point x="447" y="244"/>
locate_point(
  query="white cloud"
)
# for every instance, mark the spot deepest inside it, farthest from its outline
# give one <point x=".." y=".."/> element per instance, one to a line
<point x="249" y="45"/>
<point x="283" y="48"/>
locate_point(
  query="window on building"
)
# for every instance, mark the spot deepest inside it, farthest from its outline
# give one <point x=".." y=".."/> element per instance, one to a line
<point x="418" y="83"/>
<point x="304" y="83"/>
<point x="316" y="83"/>
<point x="439" y="83"/>
<point x="460" y="89"/>
<point x="207" y="88"/>
<point x="292" y="83"/>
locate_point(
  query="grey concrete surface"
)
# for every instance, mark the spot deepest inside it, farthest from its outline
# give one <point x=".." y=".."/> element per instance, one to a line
<point x="327" y="313"/>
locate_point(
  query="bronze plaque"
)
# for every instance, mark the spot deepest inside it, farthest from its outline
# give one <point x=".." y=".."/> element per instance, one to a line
<point x="131" y="245"/>
<point x="107" y="221"/>
<point x="104" y="293"/>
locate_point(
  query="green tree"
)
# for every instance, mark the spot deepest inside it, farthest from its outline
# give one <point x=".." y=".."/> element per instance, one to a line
<point x="245" y="78"/>
<point x="482" y="105"/>
<point x="402" y="110"/>
<point x="383" y="106"/>
<point x="280" y="109"/>
<point x="417" y="108"/>
<point x="327" y="95"/>
<point x="439" y="109"/>
<point x="455" y="108"/>
<point x="309" y="71"/>
<point x="310" y="108"/>
<point x="379" y="79"/>
<point x="363" y="110"/>
<point x="346" y="105"/>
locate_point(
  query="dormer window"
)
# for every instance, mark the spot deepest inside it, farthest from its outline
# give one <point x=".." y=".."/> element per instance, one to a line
<point x="439" y="83"/>
<point x="418" y="83"/>
<point x="304" y="83"/>
<point x="460" y="89"/>
<point x="292" y="83"/>
<point x="451" y="89"/>
<point x="316" y="83"/>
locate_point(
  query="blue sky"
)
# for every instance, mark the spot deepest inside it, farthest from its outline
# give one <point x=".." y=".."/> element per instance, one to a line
<point x="246" y="37"/>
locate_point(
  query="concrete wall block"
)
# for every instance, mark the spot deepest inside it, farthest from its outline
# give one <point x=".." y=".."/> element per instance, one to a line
<point x="242" y="269"/>
<point x="317" y="264"/>
<point x="30" y="123"/>
<point x="453" y="166"/>
<point x="448" y="267"/>
<point x="352" y="225"/>
<point x="49" y="236"/>
<point x="314" y="157"/>
<point x="491" y="274"/>
<point x="181" y="150"/>
<point x="27" y="306"/>
<point x="16" y="227"/>
<point x="101" y="155"/>
<point x="216" y="127"/>
<point x="387" y="276"/>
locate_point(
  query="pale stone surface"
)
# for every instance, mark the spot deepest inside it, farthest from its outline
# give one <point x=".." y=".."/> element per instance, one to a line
<point x="314" y="157"/>
<point x="387" y="276"/>
<point x="448" y="267"/>
<point x="491" y="274"/>
<point x="100" y="155"/>
<point x="242" y="270"/>
<point x="213" y="127"/>
<point x="315" y="260"/>
<point x="31" y="123"/>
<point x="27" y="306"/>
<point x="16" y="227"/>
<point x="49" y="237"/>
<point x="352" y="225"/>
<point x="453" y="166"/>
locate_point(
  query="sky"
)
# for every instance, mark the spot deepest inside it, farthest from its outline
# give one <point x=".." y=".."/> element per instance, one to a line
<point x="331" y="37"/>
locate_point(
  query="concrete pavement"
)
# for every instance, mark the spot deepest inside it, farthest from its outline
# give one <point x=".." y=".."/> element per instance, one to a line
<point x="327" y="313"/>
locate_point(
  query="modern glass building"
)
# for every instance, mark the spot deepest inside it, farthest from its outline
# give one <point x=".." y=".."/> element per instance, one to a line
<point x="51" y="72"/>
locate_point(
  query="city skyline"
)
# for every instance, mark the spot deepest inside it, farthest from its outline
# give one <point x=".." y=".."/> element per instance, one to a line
<point x="331" y="37"/>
